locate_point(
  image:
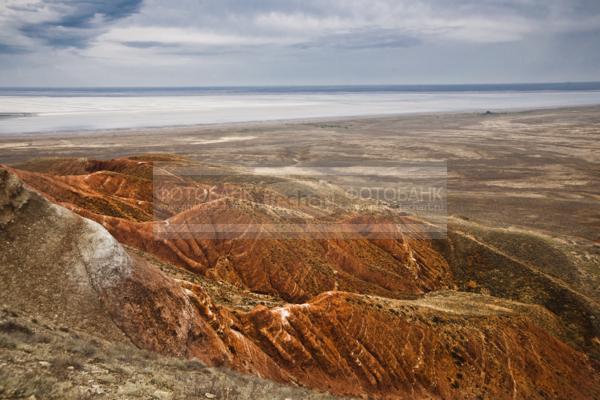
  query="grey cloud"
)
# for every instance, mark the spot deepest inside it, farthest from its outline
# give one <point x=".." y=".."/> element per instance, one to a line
<point x="10" y="49"/>
<point x="363" y="39"/>
<point x="147" y="44"/>
<point x="459" y="19"/>
<point x="79" y="21"/>
<point x="382" y="23"/>
<point x="299" y="41"/>
<point x="175" y="49"/>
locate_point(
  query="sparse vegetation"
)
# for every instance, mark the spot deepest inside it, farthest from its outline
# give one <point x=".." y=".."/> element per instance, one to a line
<point x="72" y="365"/>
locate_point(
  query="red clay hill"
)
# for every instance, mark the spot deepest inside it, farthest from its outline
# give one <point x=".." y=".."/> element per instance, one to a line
<point x="364" y="317"/>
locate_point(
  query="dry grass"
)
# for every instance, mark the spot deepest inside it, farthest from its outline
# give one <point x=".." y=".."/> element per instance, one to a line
<point x="40" y="359"/>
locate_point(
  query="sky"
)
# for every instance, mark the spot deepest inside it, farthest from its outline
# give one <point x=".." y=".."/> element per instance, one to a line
<point x="297" y="42"/>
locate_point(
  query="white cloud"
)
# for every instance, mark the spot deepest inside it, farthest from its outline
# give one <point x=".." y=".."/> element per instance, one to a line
<point x="300" y="22"/>
<point x="185" y="36"/>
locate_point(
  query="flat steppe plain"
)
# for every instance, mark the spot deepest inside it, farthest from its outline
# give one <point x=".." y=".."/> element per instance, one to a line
<point x="535" y="170"/>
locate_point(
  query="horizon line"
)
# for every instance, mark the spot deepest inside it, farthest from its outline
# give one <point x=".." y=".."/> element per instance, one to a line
<point x="305" y="85"/>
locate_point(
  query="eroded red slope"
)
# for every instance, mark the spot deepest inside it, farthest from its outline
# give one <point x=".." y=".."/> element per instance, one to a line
<point x="294" y="269"/>
<point x="449" y="345"/>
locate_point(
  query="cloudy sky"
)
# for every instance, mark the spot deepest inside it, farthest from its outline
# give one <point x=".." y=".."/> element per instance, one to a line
<point x="289" y="42"/>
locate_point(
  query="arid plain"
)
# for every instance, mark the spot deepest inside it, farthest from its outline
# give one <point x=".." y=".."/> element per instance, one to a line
<point x="533" y="169"/>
